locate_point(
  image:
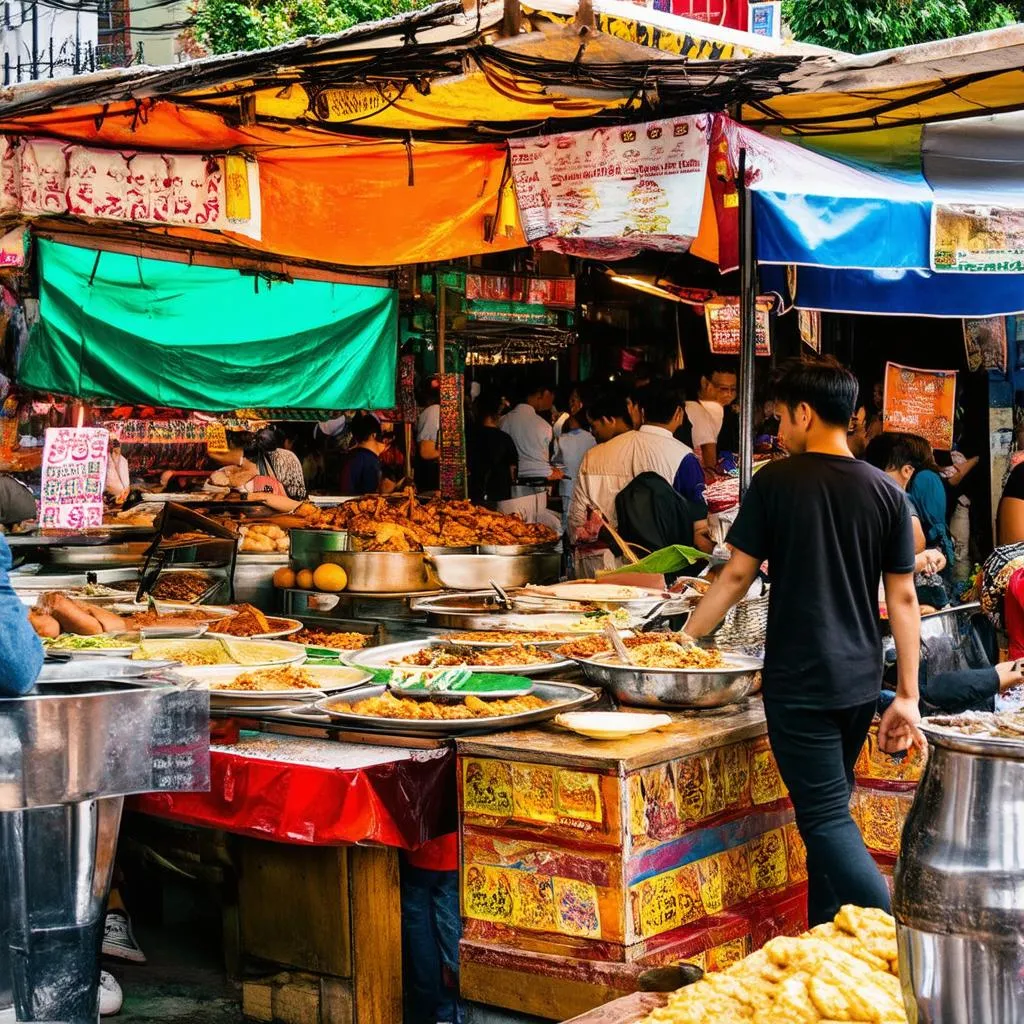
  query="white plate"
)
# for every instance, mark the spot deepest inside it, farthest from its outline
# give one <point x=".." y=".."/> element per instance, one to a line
<point x="330" y="678"/>
<point x="390" y="655"/>
<point x="273" y="652"/>
<point x="596" y="593"/>
<point x="611" y="725"/>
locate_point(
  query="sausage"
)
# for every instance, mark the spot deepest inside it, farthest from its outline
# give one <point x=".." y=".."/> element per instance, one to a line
<point x="72" y="619"/>
<point x="110" y="622"/>
<point x="44" y="625"/>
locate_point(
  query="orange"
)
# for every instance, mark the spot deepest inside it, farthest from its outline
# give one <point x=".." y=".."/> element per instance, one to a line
<point x="330" y="577"/>
<point x="304" y="580"/>
<point x="284" y="578"/>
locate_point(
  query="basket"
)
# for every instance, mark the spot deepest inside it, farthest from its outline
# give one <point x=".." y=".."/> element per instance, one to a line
<point x="744" y="627"/>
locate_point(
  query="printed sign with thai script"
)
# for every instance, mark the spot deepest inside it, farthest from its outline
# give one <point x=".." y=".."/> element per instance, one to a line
<point x="47" y="177"/>
<point x="985" y="343"/>
<point x="12" y="248"/>
<point x="74" y="471"/>
<point x="722" y="319"/>
<point x="610" y="192"/>
<point x="976" y="238"/>
<point x="921" y="402"/>
<point x="809" y="321"/>
<point x="535" y="291"/>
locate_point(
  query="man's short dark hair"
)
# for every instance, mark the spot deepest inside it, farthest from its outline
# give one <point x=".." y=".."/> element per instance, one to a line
<point x="720" y="364"/>
<point x="609" y="404"/>
<point x="488" y="404"/>
<point x="364" y="426"/>
<point x="823" y="383"/>
<point x="891" y="451"/>
<point x="537" y="384"/>
<point x="658" y="402"/>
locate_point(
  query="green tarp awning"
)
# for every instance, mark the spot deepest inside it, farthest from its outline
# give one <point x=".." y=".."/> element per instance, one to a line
<point x="153" y="332"/>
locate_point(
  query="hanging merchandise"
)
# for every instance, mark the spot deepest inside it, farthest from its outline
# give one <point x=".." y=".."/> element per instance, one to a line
<point x="809" y="321"/>
<point x="453" y="437"/>
<point x="407" y="389"/>
<point x="611" y="192"/>
<point x="921" y="402"/>
<point x="985" y="343"/>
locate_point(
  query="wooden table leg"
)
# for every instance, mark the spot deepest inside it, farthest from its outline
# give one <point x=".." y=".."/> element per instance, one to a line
<point x="376" y="934"/>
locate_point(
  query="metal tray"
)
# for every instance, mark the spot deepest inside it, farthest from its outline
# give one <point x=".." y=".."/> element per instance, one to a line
<point x="563" y="696"/>
<point x="383" y="657"/>
<point x="674" y="687"/>
<point x="472" y="572"/>
<point x="517" y="549"/>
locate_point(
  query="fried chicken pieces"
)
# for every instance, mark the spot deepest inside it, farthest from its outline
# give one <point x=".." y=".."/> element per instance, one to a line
<point x="844" y="971"/>
<point x="382" y="523"/>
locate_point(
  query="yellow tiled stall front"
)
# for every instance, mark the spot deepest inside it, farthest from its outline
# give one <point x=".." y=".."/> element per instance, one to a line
<point x="585" y="864"/>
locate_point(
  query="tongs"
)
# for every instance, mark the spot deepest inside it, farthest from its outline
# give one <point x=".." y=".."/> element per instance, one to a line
<point x="504" y="601"/>
<point x="620" y="648"/>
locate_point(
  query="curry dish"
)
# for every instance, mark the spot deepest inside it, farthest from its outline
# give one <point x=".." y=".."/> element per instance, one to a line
<point x="388" y="706"/>
<point x="334" y="641"/>
<point x="404" y="524"/>
<point x="478" y="657"/>
<point x="589" y="646"/>
<point x="506" y="636"/>
<point x="844" y="971"/>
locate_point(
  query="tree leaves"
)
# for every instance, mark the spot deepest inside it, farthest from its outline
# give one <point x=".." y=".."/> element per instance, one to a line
<point x="226" y="26"/>
<point x="885" y="24"/>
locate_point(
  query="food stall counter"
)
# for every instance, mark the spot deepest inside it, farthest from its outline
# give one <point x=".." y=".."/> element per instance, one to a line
<point x="318" y="826"/>
<point x="586" y="863"/>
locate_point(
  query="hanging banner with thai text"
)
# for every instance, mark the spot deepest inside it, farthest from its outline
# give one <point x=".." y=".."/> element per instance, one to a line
<point x="722" y="319"/>
<point x="976" y="238"/>
<point x="921" y="402"/>
<point x="985" y="343"/>
<point x="74" y="472"/>
<point x="40" y="177"/>
<point x="611" y="192"/>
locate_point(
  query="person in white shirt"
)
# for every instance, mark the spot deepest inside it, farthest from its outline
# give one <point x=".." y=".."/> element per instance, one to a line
<point x="717" y="390"/>
<point x="119" y="480"/>
<point x="428" y="433"/>
<point x="575" y="441"/>
<point x="533" y="437"/>
<point x="609" y="467"/>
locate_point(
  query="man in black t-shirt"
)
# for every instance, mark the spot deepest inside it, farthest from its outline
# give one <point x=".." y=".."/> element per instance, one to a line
<point x="830" y="528"/>
<point x="491" y="455"/>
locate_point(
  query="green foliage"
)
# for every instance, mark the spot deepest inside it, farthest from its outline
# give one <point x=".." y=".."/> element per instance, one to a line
<point x="224" y="26"/>
<point x="857" y="26"/>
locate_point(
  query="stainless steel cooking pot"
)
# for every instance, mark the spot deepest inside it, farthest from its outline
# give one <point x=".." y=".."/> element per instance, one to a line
<point x="959" y="902"/>
<point x="383" y="572"/>
<point x="474" y="572"/>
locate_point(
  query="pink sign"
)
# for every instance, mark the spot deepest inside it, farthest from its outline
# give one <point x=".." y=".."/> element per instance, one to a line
<point x="74" y="471"/>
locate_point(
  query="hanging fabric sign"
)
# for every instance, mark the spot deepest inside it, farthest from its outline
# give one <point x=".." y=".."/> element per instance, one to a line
<point x="12" y="248"/>
<point x="921" y="402"/>
<point x="977" y="238"/>
<point x="74" y="472"/>
<point x="611" y="192"/>
<point x="46" y="177"/>
<point x="722" y="319"/>
<point x="809" y="321"/>
<point x="985" y="343"/>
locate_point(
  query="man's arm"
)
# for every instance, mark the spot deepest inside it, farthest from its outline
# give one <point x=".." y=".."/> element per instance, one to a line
<point x="730" y="587"/>
<point x="898" y="728"/>
<point x="429" y="451"/>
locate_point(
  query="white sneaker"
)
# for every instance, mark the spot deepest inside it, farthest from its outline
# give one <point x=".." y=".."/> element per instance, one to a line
<point x="119" y="940"/>
<point x="111" y="996"/>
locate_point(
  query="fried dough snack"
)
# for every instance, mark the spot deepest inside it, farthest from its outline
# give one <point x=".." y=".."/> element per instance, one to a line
<point x="844" y="971"/>
<point x="401" y="523"/>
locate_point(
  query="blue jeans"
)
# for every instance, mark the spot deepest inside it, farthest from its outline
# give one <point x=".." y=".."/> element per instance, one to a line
<point x="431" y="929"/>
<point x="816" y="752"/>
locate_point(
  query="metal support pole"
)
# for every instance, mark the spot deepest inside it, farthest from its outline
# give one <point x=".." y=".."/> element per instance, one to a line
<point x="748" y="326"/>
<point x="35" y="40"/>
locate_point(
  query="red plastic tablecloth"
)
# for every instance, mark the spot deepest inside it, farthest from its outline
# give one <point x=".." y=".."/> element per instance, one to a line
<point x="319" y="793"/>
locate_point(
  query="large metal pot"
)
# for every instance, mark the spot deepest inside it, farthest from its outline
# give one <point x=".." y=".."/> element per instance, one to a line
<point x="383" y="572"/>
<point x="306" y="547"/>
<point x="959" y="902"/>
<point x="254" y="579"/>
<point x="474" y="572"/>
<point x="674" y="687"/>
